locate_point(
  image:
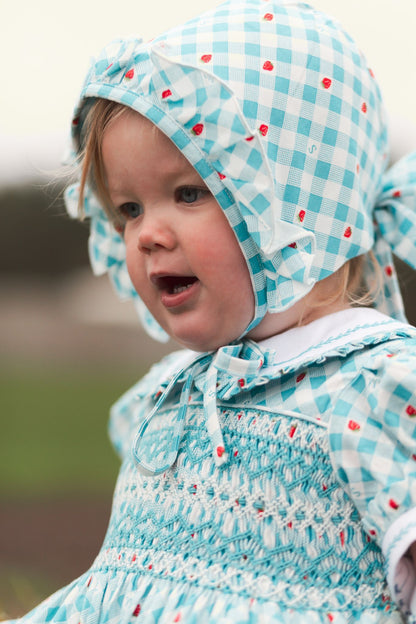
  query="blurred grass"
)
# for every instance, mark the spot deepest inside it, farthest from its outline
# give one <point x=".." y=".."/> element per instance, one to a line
<point x="53" y="443"/>
<point x="54" y="431"/>
<point x="21" y="592"/>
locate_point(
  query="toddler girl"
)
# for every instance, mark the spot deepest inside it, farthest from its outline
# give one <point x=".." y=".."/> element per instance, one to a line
<point x="234" y="171"/>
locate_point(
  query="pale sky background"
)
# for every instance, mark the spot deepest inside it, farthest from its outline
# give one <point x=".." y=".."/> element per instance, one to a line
<point x="45" y="47"/>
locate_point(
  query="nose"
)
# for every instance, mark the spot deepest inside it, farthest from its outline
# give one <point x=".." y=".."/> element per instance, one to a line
<point x="156" y="231"/>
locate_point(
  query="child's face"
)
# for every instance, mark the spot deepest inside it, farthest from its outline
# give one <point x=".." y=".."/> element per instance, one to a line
<point x="182" y="255"/>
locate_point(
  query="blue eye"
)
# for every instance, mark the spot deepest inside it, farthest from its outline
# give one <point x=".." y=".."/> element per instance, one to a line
<point x="191" y="194"/>
<point x="131" y="210"/>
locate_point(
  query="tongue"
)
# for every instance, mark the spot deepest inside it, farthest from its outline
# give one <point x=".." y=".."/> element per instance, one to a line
<point x="177" y="283"/>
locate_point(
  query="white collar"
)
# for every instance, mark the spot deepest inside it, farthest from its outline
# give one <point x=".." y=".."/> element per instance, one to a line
<point x="329" y="332"/>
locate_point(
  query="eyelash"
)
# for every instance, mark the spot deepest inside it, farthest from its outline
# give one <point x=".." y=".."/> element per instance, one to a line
<point x="198" y="193"/>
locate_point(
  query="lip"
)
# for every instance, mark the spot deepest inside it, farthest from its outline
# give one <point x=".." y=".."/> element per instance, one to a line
<point x="170" y="299"/>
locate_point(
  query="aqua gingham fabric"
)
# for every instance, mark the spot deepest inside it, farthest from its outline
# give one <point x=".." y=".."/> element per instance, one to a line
<point x="275" y="107"/>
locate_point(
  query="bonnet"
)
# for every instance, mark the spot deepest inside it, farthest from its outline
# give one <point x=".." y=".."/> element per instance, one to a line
<point x="275" y="107"/>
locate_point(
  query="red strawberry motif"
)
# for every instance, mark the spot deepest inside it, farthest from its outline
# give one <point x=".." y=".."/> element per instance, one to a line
<point x="330" y="617"/>
<point x="166" y="94"/>
<point x="241" y="383"/>
<point x="348" y="232"/>
<point x="220" y="451"/>
<point x="326" y="83"/>
<point x="89" y="581"/>
<point x="342" y="538"/>
<point x="129" y="75"/>
<point x="353" y="425"/>
<point x="393" y="504"/>
<point x="221" y="176"/>
<point x="292" y="431"/>
<point x="178" y="618"/>
<point x="300" y="377"/>
<point x="75" y="121"/>
<point x="410" y="410"/>
<point x="137" y="610"/>
<point x="250" y="138"/>
<point x="268" y="17"/>
<point x="324" y="487"/>
<point x="205" y="58"/>
<point x="289" y="525"/>
<point x="263" y="129"/>
<point x="372" y="532"/>
<point x="301" y="215"/>
<point x="198" y="128"/>
<point x="388" y="270"/>
<point x="235" y="453"/>
<point x="293" y="245"/>
<point x="134" y="558"/>
<point x="364" y="107"/>
<point x="397" y="194"/>
<point x="268" y="66"/>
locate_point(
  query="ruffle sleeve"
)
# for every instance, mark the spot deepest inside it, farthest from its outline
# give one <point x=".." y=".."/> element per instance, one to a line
<point x="372" y="436"/>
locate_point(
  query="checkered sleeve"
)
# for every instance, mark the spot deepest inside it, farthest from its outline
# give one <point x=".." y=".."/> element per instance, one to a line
<point x="372" y="437"/>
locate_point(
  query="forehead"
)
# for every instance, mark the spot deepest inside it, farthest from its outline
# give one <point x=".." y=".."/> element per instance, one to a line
<point x="131" y="140"/>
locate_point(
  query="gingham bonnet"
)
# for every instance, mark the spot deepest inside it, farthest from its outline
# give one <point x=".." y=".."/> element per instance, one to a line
<point x="275" y="107"/>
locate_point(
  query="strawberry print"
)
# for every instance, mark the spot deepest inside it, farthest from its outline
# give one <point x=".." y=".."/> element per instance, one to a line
<point x="388" y="270"/>
<point x="178" y="618"/>
<point x="348" y="232"/>
<point x="293" y="245"/>
<point x="292" y="431"/>
<point x="75" y="121"/>
<point x="301" y="215"/>
<point x="221" y="176"/>
<point x="364" y="107"/>
<point x="326" y="83"/>
<point x="330" y="617"/>
<point x="268" y="17"/>
<point x="250" y="138"/>
<point x="300" y="377"/>
<point x="393" y="504"/>
<point x="166" y="94"/>
<point x="129" y="75"/>
<point x="241" y="383"/>
<point x="263" y="129"/>
<point x="197" y="129"/>
<point x="268" y="66"/>
<point x="205" y="58"/>
<point x="137" y="610"/>
<point x="220" y="451"/>
<point x="397" y="194"/>
<point x="410" y="410"/>
<point x="342" y="538"/>
<point x="353" y="425"/>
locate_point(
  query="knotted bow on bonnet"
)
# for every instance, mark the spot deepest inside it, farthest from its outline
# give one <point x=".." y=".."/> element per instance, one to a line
<point x="275" y="107"/>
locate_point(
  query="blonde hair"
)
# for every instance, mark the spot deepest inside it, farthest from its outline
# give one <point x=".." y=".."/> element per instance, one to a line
<point x="100" y="115"/>
<point x="346" y="284"/>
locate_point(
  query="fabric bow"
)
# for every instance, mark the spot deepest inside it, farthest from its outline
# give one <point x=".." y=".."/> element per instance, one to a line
<point x="218" y="375"/>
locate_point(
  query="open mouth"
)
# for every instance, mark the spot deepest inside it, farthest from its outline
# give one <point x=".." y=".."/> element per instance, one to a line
<point x="174" y="284"/>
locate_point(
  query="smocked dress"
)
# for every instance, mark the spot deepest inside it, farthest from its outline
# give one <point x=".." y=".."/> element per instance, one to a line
<point x="319" y="481"/>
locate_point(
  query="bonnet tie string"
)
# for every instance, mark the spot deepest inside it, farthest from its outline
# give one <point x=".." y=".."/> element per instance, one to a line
<point x="218" y="375"/>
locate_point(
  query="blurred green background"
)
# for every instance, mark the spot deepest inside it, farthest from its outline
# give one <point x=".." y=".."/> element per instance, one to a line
<point x="69" y="349"/>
